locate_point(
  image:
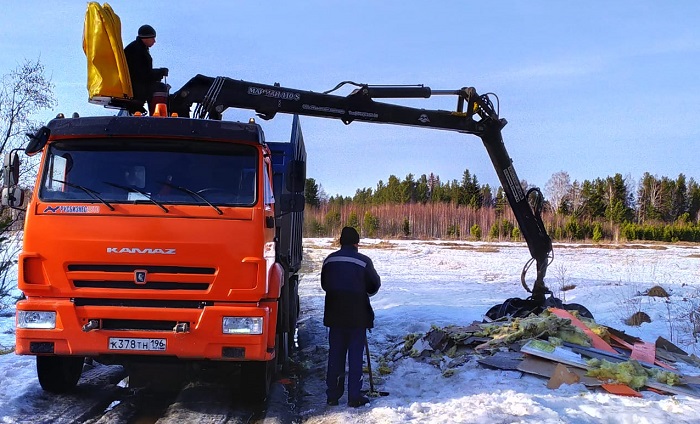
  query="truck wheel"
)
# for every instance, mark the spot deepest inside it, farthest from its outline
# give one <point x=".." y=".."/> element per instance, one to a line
<point x="59" y="374"/>
<point x="256" y="377"/>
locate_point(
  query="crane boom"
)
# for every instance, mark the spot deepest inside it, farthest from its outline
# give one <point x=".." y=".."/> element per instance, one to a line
<point x="474" y="114"/>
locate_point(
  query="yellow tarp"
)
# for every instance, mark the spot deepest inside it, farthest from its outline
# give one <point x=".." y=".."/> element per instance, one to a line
<point x="107" y="71"/>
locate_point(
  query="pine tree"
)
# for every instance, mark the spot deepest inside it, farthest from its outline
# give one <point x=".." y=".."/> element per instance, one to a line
<point x="371" y="224"/>
<point x="311" y="193"/>
<point x="353" y="221"/>
<point x="407" y="190"/>
<point x="422" y="190"/>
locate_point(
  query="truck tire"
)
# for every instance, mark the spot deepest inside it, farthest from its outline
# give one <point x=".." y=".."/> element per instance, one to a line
<point x="59" y="374"/>
<point x="256" y="378"/>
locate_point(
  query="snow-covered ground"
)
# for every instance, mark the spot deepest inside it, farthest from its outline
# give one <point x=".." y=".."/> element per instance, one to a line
<point x="443" y="283"/>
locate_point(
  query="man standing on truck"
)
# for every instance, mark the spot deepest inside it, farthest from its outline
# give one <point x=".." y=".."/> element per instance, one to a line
<point x="349" y="279"/>
<point x="144" y="79"/>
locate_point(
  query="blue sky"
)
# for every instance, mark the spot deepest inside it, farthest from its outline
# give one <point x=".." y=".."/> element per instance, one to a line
<point x="593" y="88"/>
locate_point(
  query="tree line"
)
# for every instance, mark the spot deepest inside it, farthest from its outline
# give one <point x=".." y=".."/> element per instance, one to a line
<point x="611" y="208"/>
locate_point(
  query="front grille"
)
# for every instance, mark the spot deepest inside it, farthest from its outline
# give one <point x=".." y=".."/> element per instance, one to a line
<point x="124" y="276"/>
<point x="142" y="303"/>
<point x="157" y="285"/>
<point x="150" y="268"/>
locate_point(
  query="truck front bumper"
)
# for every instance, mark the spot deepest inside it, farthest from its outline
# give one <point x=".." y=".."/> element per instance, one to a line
<point x="185" y="333"/>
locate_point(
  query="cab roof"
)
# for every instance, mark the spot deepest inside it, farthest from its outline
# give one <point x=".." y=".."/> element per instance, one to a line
<point x="142" y="126"/>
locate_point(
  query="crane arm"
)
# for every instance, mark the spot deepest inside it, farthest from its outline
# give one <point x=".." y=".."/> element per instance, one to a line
<point x="473" y="114"/>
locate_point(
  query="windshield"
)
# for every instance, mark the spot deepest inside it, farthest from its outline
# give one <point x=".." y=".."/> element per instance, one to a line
<point x="153" y="171"/>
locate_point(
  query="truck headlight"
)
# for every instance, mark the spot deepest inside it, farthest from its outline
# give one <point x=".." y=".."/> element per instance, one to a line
<point x="242" y="325"/>
<point x="36" y="319"/>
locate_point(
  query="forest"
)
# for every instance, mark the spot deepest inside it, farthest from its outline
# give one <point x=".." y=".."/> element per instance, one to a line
<point x="614" y="208"/>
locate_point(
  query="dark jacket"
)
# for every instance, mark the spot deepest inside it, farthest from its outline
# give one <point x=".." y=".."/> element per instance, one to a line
<point x="349" y="279"/>
<point x="140" y="63"/>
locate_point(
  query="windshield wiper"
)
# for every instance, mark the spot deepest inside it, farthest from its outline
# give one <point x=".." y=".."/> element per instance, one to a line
<point x="92" y="193"/>
<point x="134" y="189"/>
<point x="193" y="194"/>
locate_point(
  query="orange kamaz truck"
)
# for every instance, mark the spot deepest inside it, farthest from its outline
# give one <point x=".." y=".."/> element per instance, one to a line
<point x="154" y="239"/>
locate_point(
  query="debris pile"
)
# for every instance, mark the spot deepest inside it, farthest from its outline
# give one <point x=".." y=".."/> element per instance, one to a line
<point x="631" y="373"/>
<point x="557" y="345"/>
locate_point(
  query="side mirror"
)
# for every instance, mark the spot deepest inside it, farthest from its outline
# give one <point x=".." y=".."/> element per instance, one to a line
<point x="12" y="197"/>
<point x="10" y="170"/>
<point x="291" y="203"/>
<point x="37" y="141"/>
<point x="296" y="176"/>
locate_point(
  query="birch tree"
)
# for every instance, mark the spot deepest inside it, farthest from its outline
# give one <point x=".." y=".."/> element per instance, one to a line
<point x="557" y="189"/>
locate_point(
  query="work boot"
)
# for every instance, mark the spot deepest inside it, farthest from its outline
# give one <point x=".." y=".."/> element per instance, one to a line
<point x="332" y="402"/>
<point x="362" y="400"/>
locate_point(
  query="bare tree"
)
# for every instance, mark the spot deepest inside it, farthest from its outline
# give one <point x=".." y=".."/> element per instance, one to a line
<point x="23" y="92"/>
<point x="557" y="189"/>
<point x="575" y="198"/>
<point x="649" y="198"/>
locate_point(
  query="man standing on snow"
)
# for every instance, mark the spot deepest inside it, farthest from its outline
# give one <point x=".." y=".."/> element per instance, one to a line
<point x="349" y="279"/>
<point x="144" y="79"/>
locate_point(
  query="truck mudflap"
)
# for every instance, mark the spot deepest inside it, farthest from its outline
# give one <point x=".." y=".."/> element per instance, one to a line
<point x="181" y="333"/>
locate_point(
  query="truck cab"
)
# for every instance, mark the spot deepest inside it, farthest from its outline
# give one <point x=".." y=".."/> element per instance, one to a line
<point x="154" y="239"/>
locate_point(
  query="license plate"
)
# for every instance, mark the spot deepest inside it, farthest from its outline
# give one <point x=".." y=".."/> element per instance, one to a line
<point x="125" y="343"/>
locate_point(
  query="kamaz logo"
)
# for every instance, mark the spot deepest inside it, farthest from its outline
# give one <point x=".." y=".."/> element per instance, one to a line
<point x="146" y="251"/>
